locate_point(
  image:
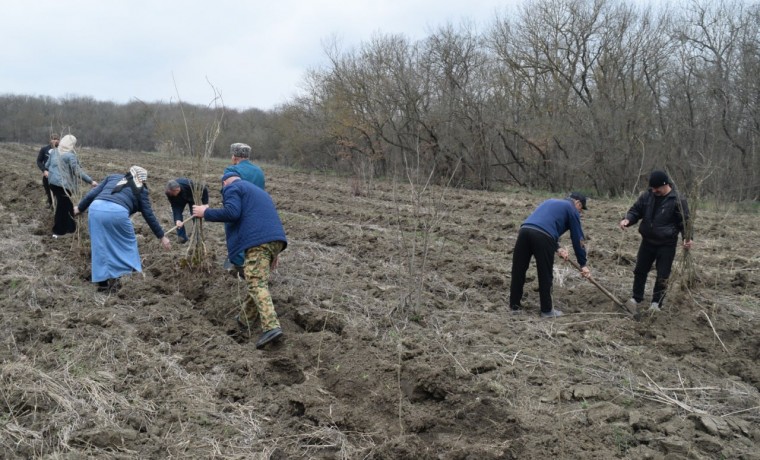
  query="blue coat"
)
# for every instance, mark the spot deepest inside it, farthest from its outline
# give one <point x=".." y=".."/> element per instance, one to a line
<point x="125" y="197"/>
<point x="251" y="217"/>
<point x="248" y="172"/>
<point x="556" y="216"/>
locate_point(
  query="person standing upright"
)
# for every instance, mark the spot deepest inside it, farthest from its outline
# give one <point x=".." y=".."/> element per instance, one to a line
<point x="63" y="170"/>
<point x="241" y="164"/>
<point x="42" y="158"/>
<point x="539" y="237"/>
<point x="663" y="213"/>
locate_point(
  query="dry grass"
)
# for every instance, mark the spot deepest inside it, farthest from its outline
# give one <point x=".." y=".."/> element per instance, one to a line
<point x="154" y="365"/>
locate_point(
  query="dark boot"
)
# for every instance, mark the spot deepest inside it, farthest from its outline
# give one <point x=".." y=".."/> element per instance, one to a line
<point x="268" y="336"/>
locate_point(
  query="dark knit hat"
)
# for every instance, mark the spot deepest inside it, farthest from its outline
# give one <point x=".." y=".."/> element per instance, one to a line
<point x="658" y="179"/>
<point x="580" y="197"/>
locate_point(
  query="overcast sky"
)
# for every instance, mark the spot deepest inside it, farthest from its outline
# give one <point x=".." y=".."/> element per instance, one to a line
<point x="255" y="52"/>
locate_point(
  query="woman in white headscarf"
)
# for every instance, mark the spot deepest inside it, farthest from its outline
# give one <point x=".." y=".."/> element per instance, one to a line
<point x="62" y="171"/>
<point x="112" y="235"/>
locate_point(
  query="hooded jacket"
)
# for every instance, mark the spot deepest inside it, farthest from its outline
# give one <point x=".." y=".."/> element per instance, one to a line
<point x="251" y="217"/>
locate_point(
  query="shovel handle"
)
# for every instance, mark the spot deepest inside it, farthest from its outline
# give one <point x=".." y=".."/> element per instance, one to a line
<point x="177" y="226"/>
<point x="601" y="288"/>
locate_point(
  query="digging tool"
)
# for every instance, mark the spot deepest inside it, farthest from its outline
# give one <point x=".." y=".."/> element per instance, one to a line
<point x="177" y="226"/>
<point x="602" y="288"/>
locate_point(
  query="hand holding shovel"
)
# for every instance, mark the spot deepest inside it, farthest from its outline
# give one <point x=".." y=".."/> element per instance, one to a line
<point x="601" y="288"/>
<point x="177" y="226"/>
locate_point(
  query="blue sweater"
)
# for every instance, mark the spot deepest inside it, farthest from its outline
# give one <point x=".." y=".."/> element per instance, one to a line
<point x="125" y="197"/>
<point x="556" y="216"/>
<point x="251" y="217"/>
<point x="248" y="172"/>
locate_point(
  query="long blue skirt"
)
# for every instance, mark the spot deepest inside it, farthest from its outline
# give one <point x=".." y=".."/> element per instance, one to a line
<point x="113" y="241"/>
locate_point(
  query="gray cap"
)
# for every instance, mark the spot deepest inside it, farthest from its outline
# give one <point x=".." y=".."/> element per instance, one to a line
<point x="240" y="150"/>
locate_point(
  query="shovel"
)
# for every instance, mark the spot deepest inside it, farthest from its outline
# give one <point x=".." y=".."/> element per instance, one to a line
<point x="601" y="288"/>
<point x="176" y="226"/>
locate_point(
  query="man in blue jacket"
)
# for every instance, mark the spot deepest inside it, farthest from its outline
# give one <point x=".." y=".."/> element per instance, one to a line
<point x="242" y="165"/>
<point x="253" y="227"/>
<point x="539" y="238"/>
<point x="663" y="214"/>
<point x="249" y="172"/>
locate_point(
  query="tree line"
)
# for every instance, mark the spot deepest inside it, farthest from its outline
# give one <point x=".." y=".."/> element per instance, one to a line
<point x="557" y="95"/>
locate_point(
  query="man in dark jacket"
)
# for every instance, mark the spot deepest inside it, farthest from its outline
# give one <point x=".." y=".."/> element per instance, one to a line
<point x="539" y="238"/>
<point x="42" y="158"/>
<point x="180" y="194"/>
<point x="663" y="214"/>
<point x="254" y="227"/>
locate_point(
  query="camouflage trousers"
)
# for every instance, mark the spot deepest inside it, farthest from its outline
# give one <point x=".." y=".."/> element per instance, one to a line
<point x="258" y="261"/>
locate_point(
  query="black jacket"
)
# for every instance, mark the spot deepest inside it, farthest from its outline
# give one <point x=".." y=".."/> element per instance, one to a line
<point x="185" y="198"/>
<point x="42" y="157"/>
<point x="662" y="227"/>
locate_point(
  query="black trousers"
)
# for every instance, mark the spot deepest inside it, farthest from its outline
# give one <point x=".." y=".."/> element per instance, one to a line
<point x="533" y="243"/>
<point x="64" y="212"/>
<point x="46" y="186"/>
<point x="660" y="256"/>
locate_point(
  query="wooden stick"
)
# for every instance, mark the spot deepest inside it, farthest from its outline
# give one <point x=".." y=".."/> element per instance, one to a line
<point x="715" y="332"/>
<point x="662" y="397"/>
<point x="177" y="226"/>
<point x="601" y="288"/>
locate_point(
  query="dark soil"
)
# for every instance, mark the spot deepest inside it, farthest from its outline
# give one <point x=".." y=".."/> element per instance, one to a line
<point x="398" y="343"/>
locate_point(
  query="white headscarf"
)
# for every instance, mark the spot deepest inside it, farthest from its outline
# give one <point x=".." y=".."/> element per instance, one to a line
<point x="67" y="144"/>
<point x="139" y="175"/>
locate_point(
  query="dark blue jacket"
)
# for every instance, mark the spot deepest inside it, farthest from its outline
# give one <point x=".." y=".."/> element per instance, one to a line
<point x="248" y="172"/>
<point x="556" y="216"/>
<point x="661" y="226"/>
<point x="251" y="217"/>
<point x="42" y="157"/>
<point x="125" y="197"/>
<point x="185" y="198"/>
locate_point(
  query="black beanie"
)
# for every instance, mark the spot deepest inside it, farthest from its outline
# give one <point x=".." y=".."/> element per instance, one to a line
<point x="658" y="179"/>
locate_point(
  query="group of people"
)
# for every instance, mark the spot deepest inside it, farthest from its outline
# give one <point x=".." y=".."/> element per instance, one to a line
<point x="254" y="232"/>
<point x="662" y="214"/>
<point x="255" y="236"/>
<point x="61" y="173"/>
